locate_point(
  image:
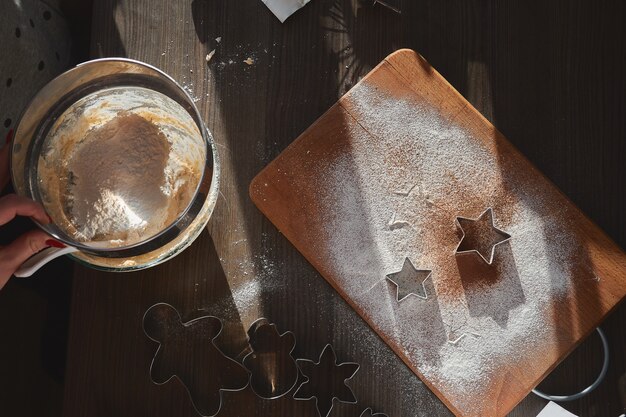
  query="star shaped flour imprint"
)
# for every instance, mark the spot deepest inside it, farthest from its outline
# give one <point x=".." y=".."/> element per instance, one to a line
<point x="456" y="333"/>
<point x="480" y="236"/>
<point x="409" y="281"/>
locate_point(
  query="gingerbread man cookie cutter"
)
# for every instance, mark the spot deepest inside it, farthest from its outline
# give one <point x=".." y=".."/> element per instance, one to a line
<point x="273" y="370"/>
<point x="187" y="352"/>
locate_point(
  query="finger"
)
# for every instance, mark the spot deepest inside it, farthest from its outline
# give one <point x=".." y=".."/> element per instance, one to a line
<point x="14" y="254"/>
<point x="13" y="205"/>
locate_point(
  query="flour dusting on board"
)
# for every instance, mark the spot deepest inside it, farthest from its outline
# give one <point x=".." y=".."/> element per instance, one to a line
<point x="478" y="320"/>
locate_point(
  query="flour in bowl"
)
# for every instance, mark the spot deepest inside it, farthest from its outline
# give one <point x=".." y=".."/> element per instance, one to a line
<point x="120" y="166"/>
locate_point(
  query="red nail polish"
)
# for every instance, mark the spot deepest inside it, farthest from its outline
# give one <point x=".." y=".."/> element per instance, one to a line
<point x="9" y="137"/>
<point x="54" y="243"/>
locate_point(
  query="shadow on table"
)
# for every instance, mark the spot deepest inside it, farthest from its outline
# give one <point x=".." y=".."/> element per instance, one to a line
<point x="106" y="23"/>
<point x="210" y="295"/>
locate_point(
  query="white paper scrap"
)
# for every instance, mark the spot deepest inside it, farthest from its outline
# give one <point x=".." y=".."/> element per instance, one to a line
<point x="554" y="410"/>
<point x="284" y="8"/>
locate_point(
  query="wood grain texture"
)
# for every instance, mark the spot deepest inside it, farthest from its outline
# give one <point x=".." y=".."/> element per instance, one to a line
<point x="531" y="69"/>
<point x="292" y="189"/>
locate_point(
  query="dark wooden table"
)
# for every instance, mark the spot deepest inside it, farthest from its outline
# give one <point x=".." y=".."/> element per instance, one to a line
<point x="549" y="75"/>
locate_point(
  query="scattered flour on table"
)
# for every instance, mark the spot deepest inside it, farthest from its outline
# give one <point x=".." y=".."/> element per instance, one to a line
<point x="263" y="278"/>
<point x="420" y="169"/>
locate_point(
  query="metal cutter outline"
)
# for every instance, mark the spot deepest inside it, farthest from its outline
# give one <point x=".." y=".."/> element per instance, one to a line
<point x="493" y="247"/>
<point x="308" y="380"/>
<point x="258" y="323"/>
<point x="174" y="375"/>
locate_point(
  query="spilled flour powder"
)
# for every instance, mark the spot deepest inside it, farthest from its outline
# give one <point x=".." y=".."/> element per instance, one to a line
<point x="396" y="193"/>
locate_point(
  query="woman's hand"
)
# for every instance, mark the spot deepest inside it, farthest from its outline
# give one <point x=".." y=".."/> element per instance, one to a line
<point x="25" y="246"/>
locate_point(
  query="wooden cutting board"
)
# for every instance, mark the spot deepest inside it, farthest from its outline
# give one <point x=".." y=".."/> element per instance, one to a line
<point x="382" y="177"/>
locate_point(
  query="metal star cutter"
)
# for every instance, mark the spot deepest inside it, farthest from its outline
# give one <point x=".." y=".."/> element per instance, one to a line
<point x="409" y="281"/>
<point x="480" y="236"/>
<point x="326" y="381"/>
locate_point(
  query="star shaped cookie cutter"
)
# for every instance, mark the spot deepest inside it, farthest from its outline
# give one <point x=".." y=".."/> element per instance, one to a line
<point x="322" y="383"/>
<point x="409" y="281"/>
<point x="474" y="240"/>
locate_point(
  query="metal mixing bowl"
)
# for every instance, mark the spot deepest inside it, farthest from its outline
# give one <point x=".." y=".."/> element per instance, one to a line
<point x="39" y="137"/>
